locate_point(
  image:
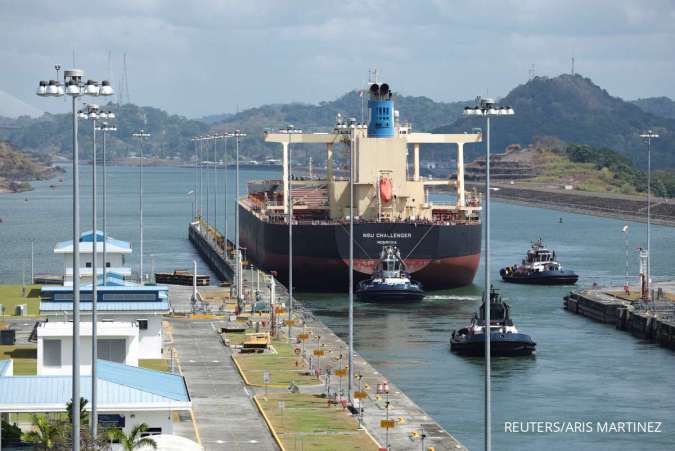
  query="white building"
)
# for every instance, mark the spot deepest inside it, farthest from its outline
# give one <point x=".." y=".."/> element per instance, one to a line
<point x="117" y="342"/>
<point x="129" y="325"/>
<point x="116" y="252"/>
<point x="127" y="396"/>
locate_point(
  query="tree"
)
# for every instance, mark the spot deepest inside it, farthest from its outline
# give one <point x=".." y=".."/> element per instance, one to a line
<point x="133" y="440"/>
<point x="45" y="435"/>
<point x="84" y="415"/>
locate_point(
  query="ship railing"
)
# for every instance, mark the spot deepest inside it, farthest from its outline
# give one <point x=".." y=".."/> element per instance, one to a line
<point x="281" y="219"/>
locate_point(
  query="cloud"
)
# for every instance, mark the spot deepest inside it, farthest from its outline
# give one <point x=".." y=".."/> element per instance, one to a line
<point x="209" y="56"/>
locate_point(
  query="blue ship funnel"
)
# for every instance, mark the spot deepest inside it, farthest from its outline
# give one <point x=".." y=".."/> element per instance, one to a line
<point x="380" y="111"/>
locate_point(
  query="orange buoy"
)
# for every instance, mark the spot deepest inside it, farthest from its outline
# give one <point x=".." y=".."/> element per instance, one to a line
<point x="385" y="189"/>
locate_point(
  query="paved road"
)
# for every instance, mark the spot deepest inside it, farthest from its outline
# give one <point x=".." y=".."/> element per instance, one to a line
<point x="226" y="417"/>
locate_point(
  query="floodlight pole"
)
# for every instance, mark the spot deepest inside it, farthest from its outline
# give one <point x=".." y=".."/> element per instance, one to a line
<point x="289" y="130"/>
<point x="75" y="87"/>
<point x="140" y="135"/>
<point x="649" y="135"/>
<point x="350" y="378"/>
<point x="237" y="134"/>
<point x="487" y="108"/>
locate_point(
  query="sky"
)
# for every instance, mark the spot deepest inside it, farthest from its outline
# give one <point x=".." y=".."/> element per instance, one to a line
<point x="216" y="56"/>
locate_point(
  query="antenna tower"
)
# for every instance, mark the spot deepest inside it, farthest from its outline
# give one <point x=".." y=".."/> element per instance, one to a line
<point x="124" y="85"/>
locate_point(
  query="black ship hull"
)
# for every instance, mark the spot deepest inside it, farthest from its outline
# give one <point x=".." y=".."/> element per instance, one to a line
<point x="383" y="293"/>
<point x="541" y="278"/>
<point x="437" y="255"/>
<point x="501" y="345"/>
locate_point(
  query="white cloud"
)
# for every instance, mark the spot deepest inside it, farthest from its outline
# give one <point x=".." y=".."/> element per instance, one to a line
<point x="199" y="57"/>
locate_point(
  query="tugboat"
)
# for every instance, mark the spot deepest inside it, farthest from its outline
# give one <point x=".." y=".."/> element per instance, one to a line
<point x="539" y="267"/>
<point x="390" y="282"/>
<point x="505" y="340"/>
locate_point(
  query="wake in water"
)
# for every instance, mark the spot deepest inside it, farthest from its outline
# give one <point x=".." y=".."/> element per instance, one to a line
<point x="446" y="297"/>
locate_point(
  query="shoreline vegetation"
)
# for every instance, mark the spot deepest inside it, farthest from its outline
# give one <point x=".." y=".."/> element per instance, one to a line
<point x="18" y="169"/>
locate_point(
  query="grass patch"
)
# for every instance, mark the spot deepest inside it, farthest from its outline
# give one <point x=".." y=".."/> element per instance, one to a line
<point x="281" y="366"/>
<point x="12" y="295"/>
<point x="24" y="356"/>
<point x="154" y="364"/>
<point x="306" y="422"/>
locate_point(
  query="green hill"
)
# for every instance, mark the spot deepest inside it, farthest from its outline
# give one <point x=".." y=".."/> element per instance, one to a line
<point x="171" y="133"/>
<point x="51" y="133"/>
<point x="574" y="109"/>
<point x="658" y="106"/>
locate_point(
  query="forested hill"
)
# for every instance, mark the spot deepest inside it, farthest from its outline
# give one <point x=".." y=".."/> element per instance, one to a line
<point x="659" y="106"/>
<point x="569" y="107"/>
<point x="172" y="133"/>
<point x="574" y="109"/>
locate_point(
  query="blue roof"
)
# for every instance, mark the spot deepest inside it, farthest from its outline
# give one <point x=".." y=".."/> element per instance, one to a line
<point x="117" y="384"/>
<point x="129" y="288"/>
<point x="4" y="367"/>
<point x="108" y="306"/>
<point x="88" y="237"/>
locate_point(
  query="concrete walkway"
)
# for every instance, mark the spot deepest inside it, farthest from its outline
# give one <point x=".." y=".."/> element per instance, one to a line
<point x="225" y="416"/>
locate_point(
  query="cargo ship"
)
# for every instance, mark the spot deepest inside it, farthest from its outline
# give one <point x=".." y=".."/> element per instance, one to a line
<point x="439" y="242"/>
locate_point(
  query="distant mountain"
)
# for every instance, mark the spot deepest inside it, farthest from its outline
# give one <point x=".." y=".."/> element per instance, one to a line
<point x="51" y="133"/>
<point x="11" y="107"/>
<point x="574" y="109"/>
<point x="658" y="106"/>
<point x="424" y="114"/>
<point x="215" y="118"/>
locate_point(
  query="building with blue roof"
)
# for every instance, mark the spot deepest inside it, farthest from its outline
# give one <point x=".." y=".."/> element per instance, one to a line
<point x="126" y="395"/>
<point x="129" y="325"/>
<point x="116" y="253"/>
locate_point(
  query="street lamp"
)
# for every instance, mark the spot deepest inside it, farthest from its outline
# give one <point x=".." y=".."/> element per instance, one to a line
<point x="487" y="108"/>
<point x="350" y="378"/>
<point x="648" y="136"/>
<point x="237" y="134"/>
<point x="141" y="135"/>
<point x="105" y="128"/>
<point x="93" y="112"/>
<point x="290" y="130"/>
<point x="75" y="87"/>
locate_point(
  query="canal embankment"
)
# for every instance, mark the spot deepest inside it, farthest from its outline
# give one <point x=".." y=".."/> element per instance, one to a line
<point x="610" y="205"/>
<point x="653" y="321"/>
<point x="384" y="411"/>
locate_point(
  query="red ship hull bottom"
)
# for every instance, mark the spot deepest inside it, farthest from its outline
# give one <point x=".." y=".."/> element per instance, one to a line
<point x="324" y="274"/>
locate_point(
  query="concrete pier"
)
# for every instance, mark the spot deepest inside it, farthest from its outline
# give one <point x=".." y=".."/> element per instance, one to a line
<point x="211" y="251"/>
<point x="411" y="422"/>
<point x="652" y="321"/>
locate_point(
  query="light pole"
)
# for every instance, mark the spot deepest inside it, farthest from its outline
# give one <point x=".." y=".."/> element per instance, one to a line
<point x="194" y="208"/>
<point x="626" y="287"/>
<point x="208" y="185"/>
<point x="215" y="183"/>
<point x="237" y="134"/>
<point x="350" y="378"/>
<point x="141" y="135"/>
<point x="648" y="136"/>
<point x="487" y="108"/>
<point x="93" y="112"/>
<point x="75" y="87"/>
<point x="224" y="137"/>
<point x="290" y="130"/>
<point x="105" y="128"/>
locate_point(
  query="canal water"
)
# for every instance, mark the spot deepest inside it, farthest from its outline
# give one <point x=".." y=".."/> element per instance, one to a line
<point x="583" y="371"/>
